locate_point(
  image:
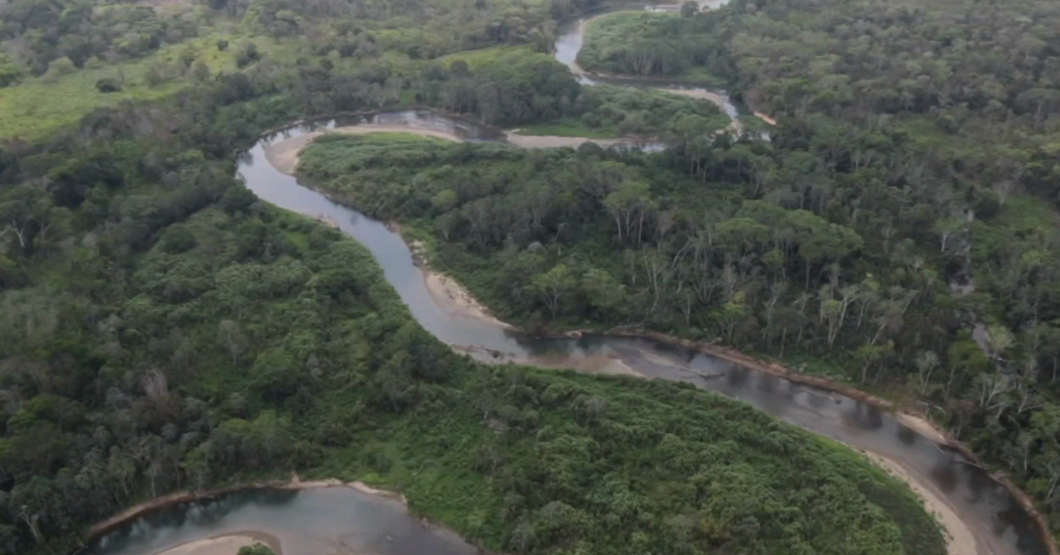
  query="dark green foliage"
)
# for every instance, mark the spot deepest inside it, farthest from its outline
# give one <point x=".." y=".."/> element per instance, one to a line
<point x="256" y="549"/>
<point x="248" y="54"/>
<point x="81" y="30"/>
<point x="108" y="85"/>
<point x="160" y="329"/>
<point x="960" y="182"/>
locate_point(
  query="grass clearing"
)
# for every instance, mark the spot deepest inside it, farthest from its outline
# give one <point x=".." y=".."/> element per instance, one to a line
<point x="35" y="108"/>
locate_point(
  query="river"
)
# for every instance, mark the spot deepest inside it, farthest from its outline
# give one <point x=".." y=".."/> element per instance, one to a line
<point x="340" y="520"/>
<point x="319" y="521"/>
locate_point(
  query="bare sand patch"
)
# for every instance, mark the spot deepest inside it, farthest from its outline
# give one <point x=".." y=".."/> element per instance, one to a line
<point x="923" y="427"/>
<point x="596" y="364"/>
<point x="962" y="539"/>
<point x="228" y="544"/>
<point x="454" y="299"/>
<point x="284" y="155"/>
<point x="552" y="141"/>
<point x="764" y="117"/>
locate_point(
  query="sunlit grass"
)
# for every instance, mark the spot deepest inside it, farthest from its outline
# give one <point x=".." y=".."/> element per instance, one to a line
<point x="35" y="108"/>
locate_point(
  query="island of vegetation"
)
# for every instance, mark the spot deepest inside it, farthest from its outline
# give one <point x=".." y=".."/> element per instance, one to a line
<point x="162" y="329"/>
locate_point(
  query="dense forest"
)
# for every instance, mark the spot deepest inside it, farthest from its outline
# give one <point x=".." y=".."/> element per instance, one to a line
<point x="897" y="229"/>
<point x="161" y="329"/>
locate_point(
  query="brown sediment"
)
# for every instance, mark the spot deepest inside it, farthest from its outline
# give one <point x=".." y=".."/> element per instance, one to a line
<point x="224" y="544"/>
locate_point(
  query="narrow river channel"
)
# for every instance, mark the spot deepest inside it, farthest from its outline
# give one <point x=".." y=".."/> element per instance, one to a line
<point x="315" y="522"/>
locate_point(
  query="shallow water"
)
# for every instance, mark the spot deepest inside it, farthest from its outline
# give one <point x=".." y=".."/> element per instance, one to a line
<point x="324" y="521"/>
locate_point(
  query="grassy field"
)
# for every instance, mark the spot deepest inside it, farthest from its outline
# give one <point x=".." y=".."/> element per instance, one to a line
<point x="35" y="108"/>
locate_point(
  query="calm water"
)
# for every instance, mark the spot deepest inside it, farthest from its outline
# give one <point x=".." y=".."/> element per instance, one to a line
<point x="329" y="521"/>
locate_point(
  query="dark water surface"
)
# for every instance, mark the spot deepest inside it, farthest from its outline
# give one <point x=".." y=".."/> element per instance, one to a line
<point x="326" y="521"/>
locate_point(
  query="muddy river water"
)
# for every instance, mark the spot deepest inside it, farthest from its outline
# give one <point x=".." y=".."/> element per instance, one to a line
<point x="340" y="520"/>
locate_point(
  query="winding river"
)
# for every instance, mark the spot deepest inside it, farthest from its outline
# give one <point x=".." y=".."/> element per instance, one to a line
<point x="340" y="520"/>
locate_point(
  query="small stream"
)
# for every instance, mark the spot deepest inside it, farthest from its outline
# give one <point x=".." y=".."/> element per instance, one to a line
<point x="571" y="36"/>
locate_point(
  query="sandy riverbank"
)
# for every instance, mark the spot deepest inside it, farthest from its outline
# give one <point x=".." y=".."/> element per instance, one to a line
<point x="228" y="544"/>
<point x="962" y="539"/>
<point x="163" y="502"/>
<point x="553" y="141"/>
<point x="765" y="117"/>
<point x="455" y="300"/>
<point x="284" y="155"/>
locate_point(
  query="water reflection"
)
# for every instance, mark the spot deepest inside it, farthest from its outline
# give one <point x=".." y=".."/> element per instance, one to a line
<point x="309" y="522"/>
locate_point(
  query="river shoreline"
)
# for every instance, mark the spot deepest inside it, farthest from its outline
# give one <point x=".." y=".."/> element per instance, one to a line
<point x="453" y="298"/>
<point x="168" y="501"/>
<point x="224" y="544"/>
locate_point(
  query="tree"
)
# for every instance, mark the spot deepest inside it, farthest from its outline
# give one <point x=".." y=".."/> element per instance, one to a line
<point x="603" y="292"/>
<point x="108" y="85"/>
<point x="553" y="285"/>
<point x="25" y="213"/>
<point x="629" y="206"/>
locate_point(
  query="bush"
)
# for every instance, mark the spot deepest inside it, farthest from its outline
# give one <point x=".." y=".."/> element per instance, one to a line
<point x="9" y="75"/>
<point x="248" y="55"/>
<point x="108" y="85"/>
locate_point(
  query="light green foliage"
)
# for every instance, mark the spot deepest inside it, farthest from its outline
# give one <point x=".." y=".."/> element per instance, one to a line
<point x="649" y="44"/>
<point x="256" y="549"/>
